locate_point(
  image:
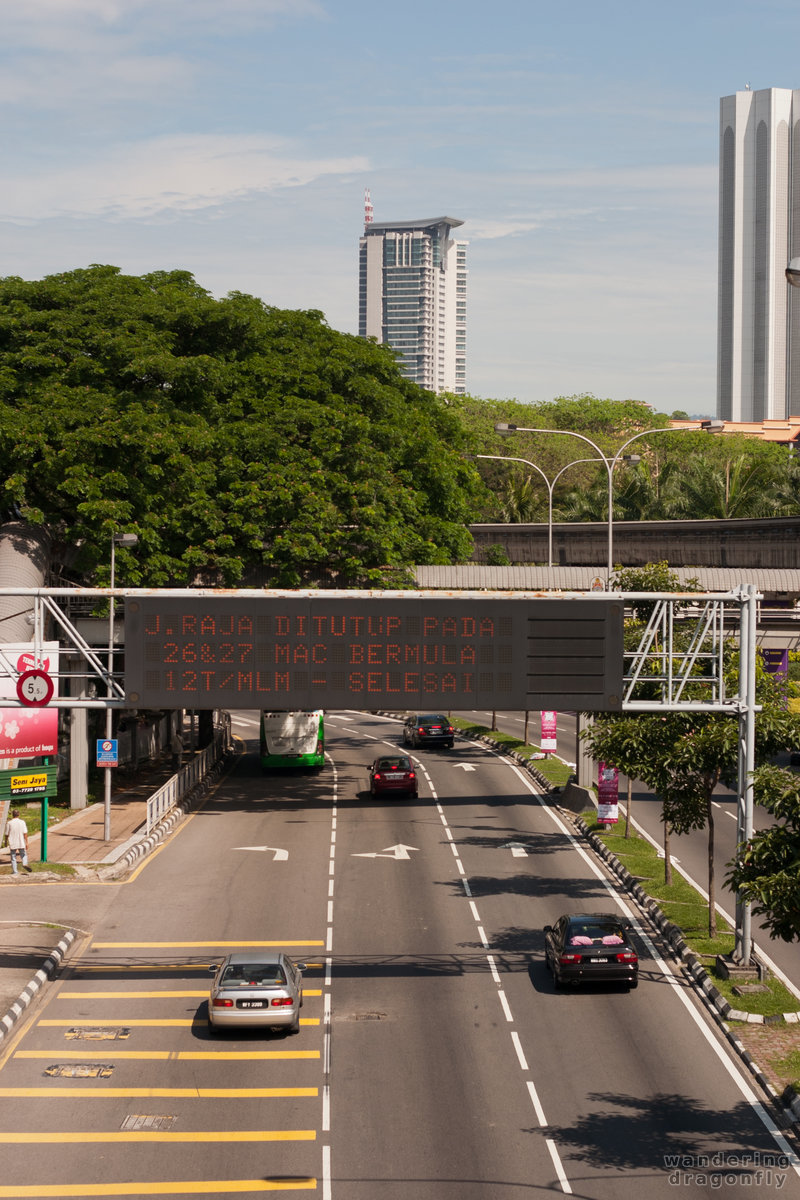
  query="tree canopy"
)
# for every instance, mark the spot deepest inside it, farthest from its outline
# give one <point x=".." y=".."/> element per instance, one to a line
<point x="232" y="437"/>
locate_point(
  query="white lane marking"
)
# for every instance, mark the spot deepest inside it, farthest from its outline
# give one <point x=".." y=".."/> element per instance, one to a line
<point x="506" y="1007"/>
<point x="474" y="908"/>
<point x="537" y="1104"/>
<point x="493" y="969"/>
<point x="523" y="1062"/>
<point x="483" y="937"/>
<point x="326" y="1173"/>
<point x="278" y="855"/>
<point x="562" y="1178"/>
<point x="517" y="849"/>
<point x="396" y="852"/>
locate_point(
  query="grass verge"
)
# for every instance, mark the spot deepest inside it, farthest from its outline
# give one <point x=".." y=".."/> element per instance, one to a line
<point x="685" y="907"/>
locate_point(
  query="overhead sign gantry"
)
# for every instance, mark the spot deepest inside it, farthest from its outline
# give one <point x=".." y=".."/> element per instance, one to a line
<point x="351" y="650"/>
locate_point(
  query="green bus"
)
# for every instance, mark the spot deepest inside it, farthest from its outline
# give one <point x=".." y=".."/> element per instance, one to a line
<point x="292" y="739"/>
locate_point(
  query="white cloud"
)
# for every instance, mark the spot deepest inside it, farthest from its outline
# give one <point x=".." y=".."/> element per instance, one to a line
<point x="173" y="174"/>
<point x="37" y="22"/>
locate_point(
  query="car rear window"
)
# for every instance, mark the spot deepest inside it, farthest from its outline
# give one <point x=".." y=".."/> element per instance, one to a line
<point x="590" y="935"/>
<point x="257" y="974"/>
<point x="394" y="764"/>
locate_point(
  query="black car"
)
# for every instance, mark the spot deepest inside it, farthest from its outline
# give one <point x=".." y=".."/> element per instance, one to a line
<point x="428" y="729"/>
<point x="591" y="948"/>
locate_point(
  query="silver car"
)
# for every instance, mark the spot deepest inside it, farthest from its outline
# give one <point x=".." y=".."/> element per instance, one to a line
<point x="256" y="988"/>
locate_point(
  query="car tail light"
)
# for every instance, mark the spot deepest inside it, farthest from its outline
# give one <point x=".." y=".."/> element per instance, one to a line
<point x="377" y="775"/>
<point x="570" y="958"/>
<point x="282" y="1002"/>
<point x="421" y="729"/>
<point x="627" y="956"/>
<point x="219" y="1003"/>
<point x="411" y="774"/>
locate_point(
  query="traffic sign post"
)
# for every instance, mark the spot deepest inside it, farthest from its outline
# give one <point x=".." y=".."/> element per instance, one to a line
<point x="35" y="687"/>
<point x="107" y="752"/>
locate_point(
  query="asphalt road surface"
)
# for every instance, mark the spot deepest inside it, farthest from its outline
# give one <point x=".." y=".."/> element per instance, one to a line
<point x="689" y="850"/>
<point x="435" y="1060"/>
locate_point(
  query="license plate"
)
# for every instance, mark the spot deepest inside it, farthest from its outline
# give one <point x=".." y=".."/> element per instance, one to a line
<point x="599" y="959"/>
<point x="251" y="1004"/>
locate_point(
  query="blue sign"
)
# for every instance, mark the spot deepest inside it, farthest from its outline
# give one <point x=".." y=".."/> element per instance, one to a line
<point x="107" y="753"/>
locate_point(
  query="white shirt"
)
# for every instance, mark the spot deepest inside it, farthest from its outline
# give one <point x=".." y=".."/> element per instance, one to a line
<point x="17" y="832"/>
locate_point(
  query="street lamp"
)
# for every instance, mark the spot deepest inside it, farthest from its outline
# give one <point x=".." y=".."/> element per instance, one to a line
<point x="117" y="539"/>
<point x="714" y="426"/>
<point x="550" y="487"/>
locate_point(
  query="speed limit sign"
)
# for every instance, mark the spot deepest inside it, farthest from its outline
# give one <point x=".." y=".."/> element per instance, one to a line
<point x="35" y="687"/>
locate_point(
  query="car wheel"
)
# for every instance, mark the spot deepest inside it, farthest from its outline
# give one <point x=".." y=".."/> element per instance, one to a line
<point x="633" y="984"/>
<point x="449" y="745"/>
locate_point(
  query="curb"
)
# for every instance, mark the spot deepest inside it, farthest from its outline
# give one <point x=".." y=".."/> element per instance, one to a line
<point x="788" y="1102"/>
<point x="27" y="995"/>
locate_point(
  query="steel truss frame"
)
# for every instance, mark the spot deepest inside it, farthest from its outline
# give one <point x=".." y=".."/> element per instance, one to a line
<point x="712" y="620"/>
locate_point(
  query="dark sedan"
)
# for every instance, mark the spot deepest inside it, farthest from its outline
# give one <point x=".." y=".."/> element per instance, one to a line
<point x="591" y="948"/>
<point x="393" y="773"/>
<point x="428" y="729"/>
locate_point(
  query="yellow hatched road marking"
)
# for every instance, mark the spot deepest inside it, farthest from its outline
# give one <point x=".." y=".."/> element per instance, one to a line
<point x="211" y="1187"/>
<point x="103" y="1093"/>
<point x="170" y="1055"/>
<point x="136" y="995"/>
<point x="199" y="945"/>
<point x="142" y="1021"/>
<point x="155" y="1135"/>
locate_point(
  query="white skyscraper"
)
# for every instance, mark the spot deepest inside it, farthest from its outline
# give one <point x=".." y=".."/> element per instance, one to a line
<point x="758" y="321"/>
<point x="413" y="295"/>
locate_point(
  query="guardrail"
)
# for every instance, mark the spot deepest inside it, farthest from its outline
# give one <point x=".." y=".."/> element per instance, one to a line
<point x="173" y="791"/>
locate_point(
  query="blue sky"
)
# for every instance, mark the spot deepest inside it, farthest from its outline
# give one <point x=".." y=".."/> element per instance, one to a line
<point x="235" y="138"/>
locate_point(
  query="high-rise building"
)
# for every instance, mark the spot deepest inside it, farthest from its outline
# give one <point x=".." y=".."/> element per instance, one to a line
<point x="413" y="295"/>
<point x="758" y="320"/>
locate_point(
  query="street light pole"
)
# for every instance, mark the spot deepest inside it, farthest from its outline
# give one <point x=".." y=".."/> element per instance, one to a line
<point x="117" y="539"/>
<point x="709" y="426"/>
<point x="550" y="488"/>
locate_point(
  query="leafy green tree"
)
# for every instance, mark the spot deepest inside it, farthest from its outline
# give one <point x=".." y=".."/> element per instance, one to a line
<point x="683" y="756"/>
<point x="767" y="872"/>
<point x="234" y="438"/>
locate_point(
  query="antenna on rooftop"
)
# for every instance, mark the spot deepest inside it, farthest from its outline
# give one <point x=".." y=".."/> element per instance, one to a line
<point x="368" y="214"/>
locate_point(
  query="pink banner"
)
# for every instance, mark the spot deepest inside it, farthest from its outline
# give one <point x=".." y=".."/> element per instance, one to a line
<point x="549" y="740"/>
<point x="608" y="794"/>
<point x="28" y="731"/>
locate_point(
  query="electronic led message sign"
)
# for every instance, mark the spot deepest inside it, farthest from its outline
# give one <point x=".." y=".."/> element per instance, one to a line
<point x="345" y="650"/>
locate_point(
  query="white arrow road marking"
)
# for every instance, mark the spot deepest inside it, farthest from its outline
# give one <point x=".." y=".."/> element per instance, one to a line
<point x="516" y="848"/>
<point x="390" y="852"/>
<point x="465" y="766"/>
<point x="280" y="855"/>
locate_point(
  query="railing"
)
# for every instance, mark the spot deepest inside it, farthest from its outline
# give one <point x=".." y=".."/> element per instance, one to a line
<point x="173" y="791"/>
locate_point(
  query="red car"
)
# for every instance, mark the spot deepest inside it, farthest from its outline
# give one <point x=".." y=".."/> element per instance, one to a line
<point x="393" y="773"/>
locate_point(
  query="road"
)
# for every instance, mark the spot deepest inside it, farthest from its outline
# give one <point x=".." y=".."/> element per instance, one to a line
<point x="434" y="1061"/>
<point x="689" y="850"/>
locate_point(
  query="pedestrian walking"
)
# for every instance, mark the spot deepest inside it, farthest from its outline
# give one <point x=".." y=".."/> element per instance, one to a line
<point x="17" y="839"/>
<point x="176" y="746"/>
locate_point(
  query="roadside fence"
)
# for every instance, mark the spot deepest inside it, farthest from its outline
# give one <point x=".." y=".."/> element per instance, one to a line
<point x="173" y="791"/>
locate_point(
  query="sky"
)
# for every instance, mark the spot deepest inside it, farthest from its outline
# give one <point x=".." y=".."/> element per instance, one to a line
<point x="234" y="139"/>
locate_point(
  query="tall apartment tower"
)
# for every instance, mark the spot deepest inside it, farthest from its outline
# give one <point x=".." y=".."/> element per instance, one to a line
<point x="413" y="294"/>
<point x="758" y="320"/>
